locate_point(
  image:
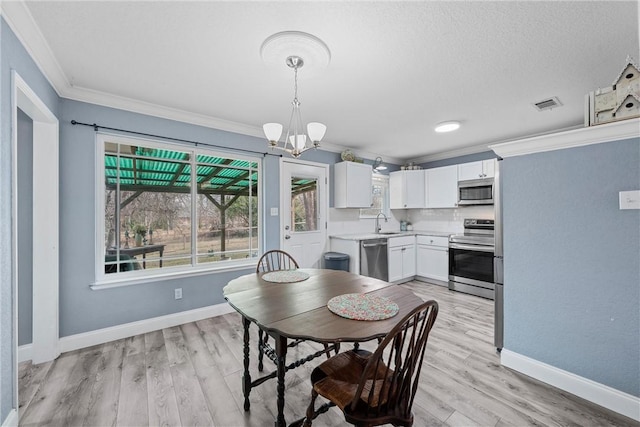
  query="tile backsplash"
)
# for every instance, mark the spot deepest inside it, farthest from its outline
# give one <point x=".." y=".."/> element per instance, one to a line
<point x="348" y="221"/>
<point x="450" y="220"/>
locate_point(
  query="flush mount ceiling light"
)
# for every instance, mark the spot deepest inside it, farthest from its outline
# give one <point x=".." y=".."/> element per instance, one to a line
<point x="295" y="141"/>
<point x="449" y="126"/>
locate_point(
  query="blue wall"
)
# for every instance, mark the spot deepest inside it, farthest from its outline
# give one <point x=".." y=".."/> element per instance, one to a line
<point x="83" y="309"/>
<point x="572" y="261"/>
<point x="12" y="57"/>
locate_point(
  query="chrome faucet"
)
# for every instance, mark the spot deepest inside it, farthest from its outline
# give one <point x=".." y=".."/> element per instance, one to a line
<point x="378" y="228"/>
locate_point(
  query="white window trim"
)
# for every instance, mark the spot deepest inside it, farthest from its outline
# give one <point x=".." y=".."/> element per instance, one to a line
<point x="107" y="281"/>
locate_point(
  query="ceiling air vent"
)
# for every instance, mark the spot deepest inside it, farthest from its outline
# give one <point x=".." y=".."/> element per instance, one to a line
<point x="547" y="104"/>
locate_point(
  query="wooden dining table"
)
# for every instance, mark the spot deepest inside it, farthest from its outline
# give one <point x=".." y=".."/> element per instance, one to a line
<point x="298" y="310"/>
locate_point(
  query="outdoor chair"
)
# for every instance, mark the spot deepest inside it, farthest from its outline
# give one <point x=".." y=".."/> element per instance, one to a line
<point x="379" y="388"/>
<point x="128" y="263"/>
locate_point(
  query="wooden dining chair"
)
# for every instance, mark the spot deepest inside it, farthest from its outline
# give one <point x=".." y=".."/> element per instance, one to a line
<point x="376" y="388"/>
<point x="276" y="260"/>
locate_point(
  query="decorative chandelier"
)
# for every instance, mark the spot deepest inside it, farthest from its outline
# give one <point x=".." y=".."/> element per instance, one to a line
<point x="295" y="142"/>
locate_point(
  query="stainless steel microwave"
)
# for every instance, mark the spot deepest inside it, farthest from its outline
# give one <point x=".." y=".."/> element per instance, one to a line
<point x="475" y="192"/>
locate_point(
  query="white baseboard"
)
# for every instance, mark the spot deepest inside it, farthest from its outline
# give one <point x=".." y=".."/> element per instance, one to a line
<point x="600" y="394"/>
<point x="101" y="336"/>
<point x="11" y="420"/>
<point x="25" y="353"/>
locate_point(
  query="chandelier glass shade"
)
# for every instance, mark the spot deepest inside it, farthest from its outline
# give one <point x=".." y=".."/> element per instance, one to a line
<point x="295" y="141"/>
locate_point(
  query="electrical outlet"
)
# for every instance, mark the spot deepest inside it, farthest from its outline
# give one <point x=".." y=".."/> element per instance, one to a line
<point x="177" y="293"/>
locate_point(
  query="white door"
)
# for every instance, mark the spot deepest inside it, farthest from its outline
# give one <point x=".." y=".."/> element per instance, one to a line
<point x="304" y="204"/>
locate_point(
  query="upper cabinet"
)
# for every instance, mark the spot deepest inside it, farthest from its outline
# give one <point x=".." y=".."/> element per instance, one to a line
<point x="477" y="170"/>
<point x="441" y="187"/>
<point x="407" y="189"/>
<point x="352" y="185"/>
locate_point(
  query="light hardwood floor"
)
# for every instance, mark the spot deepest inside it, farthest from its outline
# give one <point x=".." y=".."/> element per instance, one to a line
<point x="191" y="375"/>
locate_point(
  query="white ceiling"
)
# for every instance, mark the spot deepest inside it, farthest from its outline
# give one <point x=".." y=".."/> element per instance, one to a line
<point x="397" y="68"/>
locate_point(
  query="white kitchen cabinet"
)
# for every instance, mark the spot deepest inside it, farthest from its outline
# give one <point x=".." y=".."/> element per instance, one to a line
<point x="441" y="186"/>
<point x="352" y="185"/>
<point x="406" y="189"/>
<point x="432" y="258"/>
<point x="402" y="258"/>
<point x="477" y="170"/>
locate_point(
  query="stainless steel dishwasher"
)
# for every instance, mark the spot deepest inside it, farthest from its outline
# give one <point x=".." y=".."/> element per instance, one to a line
<point x="373" y="259"/>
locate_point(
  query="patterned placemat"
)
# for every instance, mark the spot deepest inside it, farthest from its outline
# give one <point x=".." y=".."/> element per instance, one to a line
<point x="362" y="307"/>
<point x="285" y="276"/>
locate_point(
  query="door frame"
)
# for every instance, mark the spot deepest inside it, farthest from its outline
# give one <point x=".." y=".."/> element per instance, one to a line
<point x="45" y="199"/>
<point x="282" y="199"/>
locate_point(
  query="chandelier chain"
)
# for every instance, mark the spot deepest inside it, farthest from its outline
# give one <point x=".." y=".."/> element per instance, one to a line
<point x="295" y="84"/>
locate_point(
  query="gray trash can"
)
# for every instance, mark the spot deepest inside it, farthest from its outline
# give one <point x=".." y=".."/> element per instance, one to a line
<point x="336" y="261"/>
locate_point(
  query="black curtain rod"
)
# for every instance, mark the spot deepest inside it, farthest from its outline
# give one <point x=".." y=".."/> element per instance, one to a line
<point x="96" y="127"/>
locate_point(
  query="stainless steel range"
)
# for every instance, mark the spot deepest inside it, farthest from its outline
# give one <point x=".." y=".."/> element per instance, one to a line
<point x="471" y="258"/>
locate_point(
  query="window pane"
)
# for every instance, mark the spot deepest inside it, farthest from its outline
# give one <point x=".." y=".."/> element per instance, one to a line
<point x="148" y="209"/>
<point x="304" y="204"/>
<point x="227" y="209"/>
<point x="380" y="198"/>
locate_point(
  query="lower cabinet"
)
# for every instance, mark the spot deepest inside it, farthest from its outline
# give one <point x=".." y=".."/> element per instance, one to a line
<point x="402" y="258"/>
<point x="433" y="257"/>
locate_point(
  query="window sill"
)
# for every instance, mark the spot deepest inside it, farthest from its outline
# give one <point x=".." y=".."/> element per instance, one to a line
<point x="108" y="283"/>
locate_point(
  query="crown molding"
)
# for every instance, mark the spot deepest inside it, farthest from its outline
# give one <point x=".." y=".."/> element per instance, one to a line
<point x="452" y="153"/>
<point x="136" y="106"/>
<point x="614" y="131"/>
<point x="21" y="22"/>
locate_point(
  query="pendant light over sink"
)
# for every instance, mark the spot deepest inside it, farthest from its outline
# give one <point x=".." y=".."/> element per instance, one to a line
<point x="296" y="141"/>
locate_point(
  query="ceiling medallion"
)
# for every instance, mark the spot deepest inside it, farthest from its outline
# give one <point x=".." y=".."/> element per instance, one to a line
<point x="278" y="47"/>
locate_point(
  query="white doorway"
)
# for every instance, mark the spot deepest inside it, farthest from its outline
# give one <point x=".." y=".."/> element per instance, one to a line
<point x="45" y="202"/>
<point x="304" y="206"/>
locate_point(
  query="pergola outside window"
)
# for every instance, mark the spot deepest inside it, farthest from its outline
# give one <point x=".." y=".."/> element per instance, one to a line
<point x="172" y="207"/>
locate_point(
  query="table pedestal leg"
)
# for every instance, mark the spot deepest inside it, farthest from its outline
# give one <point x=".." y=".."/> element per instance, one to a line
<point x="281" y="353"/>
<point x="246" y="377"/>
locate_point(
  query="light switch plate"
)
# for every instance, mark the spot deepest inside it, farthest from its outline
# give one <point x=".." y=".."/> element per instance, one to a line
<point x="630" y="199"/>
<point x="274" y="211"/>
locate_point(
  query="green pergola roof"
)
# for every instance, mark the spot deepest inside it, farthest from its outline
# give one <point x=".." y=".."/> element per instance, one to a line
<point x="170" y="171"/>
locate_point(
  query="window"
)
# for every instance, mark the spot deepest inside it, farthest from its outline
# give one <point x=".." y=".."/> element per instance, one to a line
<point x="380" y="193"/>
<point x="169" y="208"/>
<point x="304" y="204"/>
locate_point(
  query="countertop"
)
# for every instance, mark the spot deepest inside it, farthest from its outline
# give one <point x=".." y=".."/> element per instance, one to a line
<point x="387" y="234"/>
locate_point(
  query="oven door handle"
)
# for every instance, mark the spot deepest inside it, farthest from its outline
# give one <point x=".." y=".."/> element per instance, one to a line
<point x="471" y="247"/>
